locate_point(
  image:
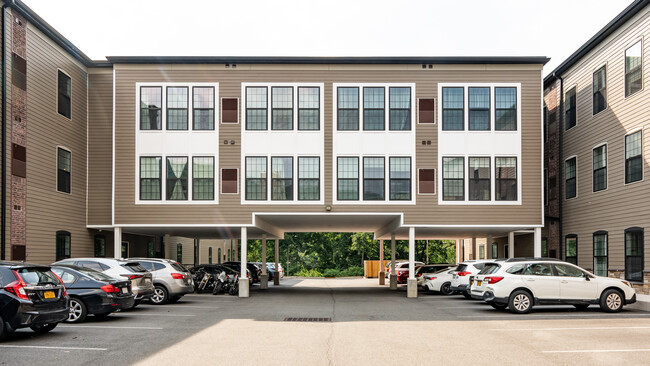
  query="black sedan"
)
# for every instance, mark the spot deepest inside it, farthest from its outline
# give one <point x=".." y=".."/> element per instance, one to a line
<point x="93" y="293"/>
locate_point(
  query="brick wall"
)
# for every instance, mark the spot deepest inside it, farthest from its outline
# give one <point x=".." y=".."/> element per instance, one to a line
<point x="640" y="288"/>
<point x="552" y="168"/>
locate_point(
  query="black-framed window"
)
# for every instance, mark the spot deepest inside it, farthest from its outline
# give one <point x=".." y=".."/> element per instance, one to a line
<point x="453" y="179"/>
<point x="177" y="178"/>
<point x="282" y="108"/>
<point x="400" y="108"/>
<point x="571" y="248"/>
<point x="600" y="90"/>
<point x="505" y="113"/>
<point x="151" y="249"/>
<point x="347" y="178"/>
<point x="633" y="159"/>
<point x="203" y="108"/>
<point x="479" y="108"/>
<point x="633" y="69"/>
<point x="374" y="173"/>
<point x="63" y="167"/>
<point x="309" y="108"/>
<point x="505" y="184"/>
<point x="177" y="106"/>
<point x="63" y="243"/>
<point x="202" y="178"/>
<point x="256" y="178"/>
<point x="210" y="255"/>
<point x="150" y="107"/>
<point x="570" y="181"/>
<point x="219" y="255"/>
<point x="400" y="178"/>
<point x="544" y="247"/>
<point x="495" y="250"/>
<point x="600" y="253"/>
<point x="256" y="107"/>
<point x="308" y="178"/>
<point x="64" y="95"/>
<point x="600" y="168"/>
<point x="374" y="108"/>
<point x="282" y="178"/>
<point x="479" y="179"/>
<point x="150" y="177"/>
<point x="347" y="101"/>
<point x="100" y="246"/>
<point x="179" y="253"/>
<point x="453" y="108"/>
<point x="570" y="108"/>
<point x="634" y="254"/>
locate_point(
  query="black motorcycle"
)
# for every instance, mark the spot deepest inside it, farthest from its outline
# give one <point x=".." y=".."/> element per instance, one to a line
<point x="206" y="283"/>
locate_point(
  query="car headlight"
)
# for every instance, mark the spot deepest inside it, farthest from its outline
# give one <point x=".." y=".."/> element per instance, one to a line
<point x="627" y="283"/>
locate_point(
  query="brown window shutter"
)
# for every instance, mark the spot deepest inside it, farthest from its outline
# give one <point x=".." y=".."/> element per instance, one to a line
<point x="229" y="109"/>
<point x="427" y="181"/>
<point x="228" y="180"/>
<point x="426" y="110"/>
<point x="19" y="71"/>
<point x="19" y="161"/>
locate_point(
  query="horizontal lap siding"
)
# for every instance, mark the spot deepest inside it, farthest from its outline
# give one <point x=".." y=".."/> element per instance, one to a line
<point x="230" y="211"/>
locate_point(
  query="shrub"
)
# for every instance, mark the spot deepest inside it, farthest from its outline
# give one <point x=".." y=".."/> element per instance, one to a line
<point x="331" y="272"/>
<point x="355" y="271"/>
<point x="309" y="273"/>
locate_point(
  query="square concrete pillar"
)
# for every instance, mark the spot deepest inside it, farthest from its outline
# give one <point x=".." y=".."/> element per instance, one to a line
<point x="243" y="279"/>
<point x="382" y="274"/>
<point x="393" y="276"/>
<point x="264" y="278"/>
<point x="117" y="242"/>
<point x="276" y="274"/>
<point x="411" y="283"/>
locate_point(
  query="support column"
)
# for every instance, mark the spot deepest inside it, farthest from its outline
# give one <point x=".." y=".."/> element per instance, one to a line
<point x="537" y="244"/>
<point x="427" y="262"/>
<point x="117" y="242"/>
<point x="475" y="248"/>
<point x="382" y="274"/>
<point x="167" y="243"/>
<point x="243" y="279"/>
<point x="488" y="246"/>
<point x="393" y="276"/>
<point x="411" y="282"/>
<point x="197" y="251"/>
<point x="276" y="273"/>
<point x="264" y="279"/>
<point x="511" y="244"/>
<point x="459" y="251"/>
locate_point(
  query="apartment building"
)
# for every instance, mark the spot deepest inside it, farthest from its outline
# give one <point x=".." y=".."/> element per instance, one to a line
<point x="121" y="157"/>
<point x="596" y="151"/>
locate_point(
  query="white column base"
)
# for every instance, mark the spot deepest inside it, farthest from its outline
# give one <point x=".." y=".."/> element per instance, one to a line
<point x="264" y="281"/>
<point x="393" y="282"/>
<point x="243" y="287"/>
<point x="411" y="288"/>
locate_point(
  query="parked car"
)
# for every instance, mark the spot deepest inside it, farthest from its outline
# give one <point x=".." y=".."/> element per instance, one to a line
<point x="460" y="281"/>
<point x="270" y="270"/>
<point x="170" y="279"/>
<point x="521" y="283"/>
<point x="271" y="267"/>
<point x="198" y="272"/>
<point x="400" y="268"/>
<point x="428" y="269"/>
<point x="254" y="272"/>
<point x="440" y="281"/>
<point x="141" y="280"/>
<point x="30" y="296"/>
<point x="93" y="293"/>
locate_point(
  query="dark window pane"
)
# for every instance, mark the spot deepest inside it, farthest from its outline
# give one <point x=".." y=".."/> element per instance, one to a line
<point x="479" y="109"/>
<point x="177" y="178"/>
<point x="256" y="108"/>
<point x="453" y="179"/>
<point x="63" y="170"/>
<point x="373" y="178"/>
<point x="308" y="108"/>
<point x="452" y="109"/>
<point x="282" y="108"/>
<point x="177" y="103"/>
<point x="308" y="178"/>
<point x="282" y="179"/>
<point x="348" y="108"/>
<point x="479" y="179"/>
<point x="634" y="254"/>
<point x="506" y="109"/>
<point x="633" y="158"/>
<point x="400" y="178"/>
<point x="256" y="178"/>
<point x="62" y="245"/>
<point x="600" y="168"/>
<point x="150" y="178"/>
<point x="150" y="107"/>
<point x="570" y="178"/>
<point x="203" y="178"/>
<point x="571" y="244"/>
<point x="203" y="111"/>
<point x="599" y="91"/>
<point x="570" y="108"/>
<point x="348" y="178"/>
<point x="400" y="109"/>
<point x="64" y="94"/>
<point x="506" y="179"/>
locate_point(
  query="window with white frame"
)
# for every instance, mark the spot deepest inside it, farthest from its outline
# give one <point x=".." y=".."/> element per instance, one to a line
<point x="479" y="179"/>
<point x="633" y="159"/>
<point x="347" y="178"/>
<point x="400" y="108"/>
<point x="282" y="178"/>
<point x="479" y="108"/>
<point x="64" y="164"/>
<point x="309" y="108"/>
<point x="633" y="69"/>
<point x="373" y="178"/>
<point x="373" y="109"/>
<point x="177" y="103"/>
<point x="400" y="178"/>
<point x="505" y="99"/>
<point x="150" y="177"/>
<point x="202" y="178"/>
<point x="453" y="107"/>
<point x="308" y="178"/>
<point x="203" y="108"/>
<point x="600" y="90"/>
<point x="177" y="178"/>
<point x="256" y="108"/>
<point x="505" y="178"/>
<point x="256" y="178"/>
<point x="570" y="182"/>
<point x="282" y="108"/>
<point x="347" y="100"/>
<point x="150" y="108"/>
<point x="453" y="178"/>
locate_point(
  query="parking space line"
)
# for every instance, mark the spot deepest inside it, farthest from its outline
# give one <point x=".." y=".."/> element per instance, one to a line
<point x="108" y="327"/>
<point x="577" y="316"/>
<point x="553" y="329"/>
<point x="139" y="314"/>
<point x="600" y="350"/>
<point x="186" y="306"/>
<point x="49" y="347"/>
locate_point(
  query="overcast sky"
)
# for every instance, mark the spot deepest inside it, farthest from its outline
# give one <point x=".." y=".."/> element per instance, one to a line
<point x="553" y="28"/>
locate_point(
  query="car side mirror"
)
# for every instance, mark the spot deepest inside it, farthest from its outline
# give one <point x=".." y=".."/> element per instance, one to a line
<point x="588" y="277"/>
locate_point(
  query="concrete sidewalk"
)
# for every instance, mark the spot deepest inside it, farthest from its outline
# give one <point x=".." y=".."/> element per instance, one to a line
<point x="642" y="303"/>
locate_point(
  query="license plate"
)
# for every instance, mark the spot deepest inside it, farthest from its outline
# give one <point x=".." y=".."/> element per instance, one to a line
<point x="125" y="290"/>
<point x="48" y="294"/>
<point x="478" y="283"/>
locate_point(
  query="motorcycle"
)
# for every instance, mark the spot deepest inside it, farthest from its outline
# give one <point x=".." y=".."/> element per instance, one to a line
<point x="206" y="283"/>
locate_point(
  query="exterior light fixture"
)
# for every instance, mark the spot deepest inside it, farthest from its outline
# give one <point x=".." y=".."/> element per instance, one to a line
<point x="328" y="208"/>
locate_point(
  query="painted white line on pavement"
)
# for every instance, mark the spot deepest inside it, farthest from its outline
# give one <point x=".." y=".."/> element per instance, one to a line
<point x="108" y="327"/>
<point x="138" y="314"/>
<point x="552" y="329"/>
<point x="577" y="316"/>
<point x="61" y="348"/>
<point x="186" y="306"/>
<point x="601" y="350"/>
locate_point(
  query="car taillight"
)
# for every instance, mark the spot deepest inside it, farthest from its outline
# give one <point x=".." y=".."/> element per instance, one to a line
<point x="110" y="288"/>
<point x="178" y="276"/>
<point x="464" y="273"/>
<point x="17" y="288"/>
<point x="492" y="280"/>
<point x="419" y="274"/>
<point x="431" y="278"/>
<point x="134" y="277"/>
<point x="65" y="292"/>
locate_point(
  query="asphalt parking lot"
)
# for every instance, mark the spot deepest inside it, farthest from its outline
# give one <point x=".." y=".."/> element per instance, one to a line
<point x="369" y="325"/>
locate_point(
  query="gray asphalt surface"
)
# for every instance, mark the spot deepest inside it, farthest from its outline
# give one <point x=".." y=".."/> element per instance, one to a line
<point x="370" y="325"/>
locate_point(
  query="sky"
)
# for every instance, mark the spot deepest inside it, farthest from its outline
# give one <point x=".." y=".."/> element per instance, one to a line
<point x="552" y="28"/>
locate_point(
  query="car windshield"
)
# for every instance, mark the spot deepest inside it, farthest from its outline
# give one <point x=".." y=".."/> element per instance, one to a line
<point x="134" y="267"/>
<point x="461" y="267"/>
<point x="442" y="270"/>
<point x="94" y="274"/>
<point x="177" y="266"/>
<point x="489" y="268"/>
<point x="38" y="276"/>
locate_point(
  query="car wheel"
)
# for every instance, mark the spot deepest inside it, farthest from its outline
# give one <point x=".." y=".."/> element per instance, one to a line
<point x="43" y="328"/>
<point x="160" y="295"/>
<point x="78" y="311"/>
<point x="581" y="306"/>
<point x="520" y="302"/>
<point x="611" y="301"/>
<point x="445" y="289"/>
<point x="497" y="306"/>
<point x="174" y="299"/>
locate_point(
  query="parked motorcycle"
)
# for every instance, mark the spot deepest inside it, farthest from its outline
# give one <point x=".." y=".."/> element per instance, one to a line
<point x="206" y="283"/>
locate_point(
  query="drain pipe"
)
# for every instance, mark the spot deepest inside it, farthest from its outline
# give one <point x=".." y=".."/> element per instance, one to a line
<point x="3" y="210"/>
<point x="562" y="121"/>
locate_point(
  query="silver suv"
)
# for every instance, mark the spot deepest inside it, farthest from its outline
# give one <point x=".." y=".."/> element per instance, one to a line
<point x="141" y="280"/>
<point x="170" y="279"/>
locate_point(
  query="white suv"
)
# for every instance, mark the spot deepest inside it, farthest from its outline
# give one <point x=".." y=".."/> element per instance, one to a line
<point x="440" y="281"/>
<point x="521" y="283"/>
<point x="461" y="278"/>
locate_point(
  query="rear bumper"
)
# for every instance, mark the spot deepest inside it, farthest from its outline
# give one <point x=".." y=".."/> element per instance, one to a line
<point x="27" y="314"/>
<point x="489" y="296"/>
<point x="111" y="303"/>
<point x="459" y="288"/>
<point x="143" y="292"/>
<point x="181" y="289"/>
<point x="477" y="295"/>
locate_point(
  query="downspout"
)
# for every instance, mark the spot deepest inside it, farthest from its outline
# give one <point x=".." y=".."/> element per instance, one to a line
<point x="561" y="163"/>
<point x="3" y="210"/>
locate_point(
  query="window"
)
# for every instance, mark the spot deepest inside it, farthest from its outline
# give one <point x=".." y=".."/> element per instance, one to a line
<point x="63" y="170"/>
<point x="348" y="109"/>
<point x="544" y="247"/>
<point x="151" y="250"/>
<point x="219" y="255"/>
<point x="633" y="159"/>
<point x="600" y="91"/>
<point x="64" y="95"/>
<point x="282" y="178"/>
<point x="256" y="178"/>
<point x="348" y="179"/>
<point x="373" y="109"/>
<point x="566" y="270"/>
<point x="150" y="177"/>
<point x="517" y="269"/>
<point x="571" y="245"/>
<point x="62" y="245"/>
<point x="506" y="109"/>
<point x="495" y="250"/>
<point x="100" y="246"/>
<point x="203" y="108"/>
<point x="506" y="179"/>
<point x="633" y="69"/>
<point x="229" y="181"/>
<point x="600" y="168"/>
<point x="453" y="179"/>
<point x="202" y="178"/>
<point x="282" y="108"/>
<point x="150" y="107"/>
<point x="479" y="179"/>
<point x="481" y="252"/>
<point x="177" y="102"/>
<point x="308" y="178"/>
<point x="453" y="109"/>
<point x="506" y="251"/>
<point x="256" y="108"/>
<point x="634" y="254"/>
<point x="177" y="178"/>
<point x="210" y="255"/>
<point x="373" y="179"/>
<point x="426" y="109"/>
<point x="426" y="181"/>
<point x="229" y="110"/>
<point x="400" y="179"/>
<point x="479" y="109"/>
<point x="400" y="109"/>
<point x="570" y="182"/>
<point x="309" y="108"/>
<point x="600" y="253"/>
<point x="570" y="108"/>
<point x="538" y="269"/>
<point x="179" y="253"/>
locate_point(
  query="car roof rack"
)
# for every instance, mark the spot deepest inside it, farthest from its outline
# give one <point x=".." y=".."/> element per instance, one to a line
<point x="525" y="259"/>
